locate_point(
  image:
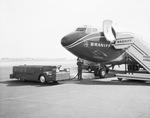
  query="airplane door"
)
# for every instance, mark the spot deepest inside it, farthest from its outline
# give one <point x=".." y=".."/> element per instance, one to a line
<point x="108" y="30"/>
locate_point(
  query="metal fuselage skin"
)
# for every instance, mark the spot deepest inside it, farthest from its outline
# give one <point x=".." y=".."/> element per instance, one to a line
<point x="93" y="47"/>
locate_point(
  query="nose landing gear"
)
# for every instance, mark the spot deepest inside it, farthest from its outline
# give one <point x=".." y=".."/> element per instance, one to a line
<point x="101" y="71"/>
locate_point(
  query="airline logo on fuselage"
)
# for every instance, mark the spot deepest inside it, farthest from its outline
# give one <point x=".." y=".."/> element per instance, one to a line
<point x="96" y="44"/>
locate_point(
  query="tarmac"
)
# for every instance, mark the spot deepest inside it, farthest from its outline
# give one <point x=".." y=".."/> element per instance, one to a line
<point x="88" y="98"/>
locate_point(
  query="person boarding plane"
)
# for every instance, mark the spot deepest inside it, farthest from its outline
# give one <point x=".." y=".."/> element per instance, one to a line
<point x="107" y="48"/>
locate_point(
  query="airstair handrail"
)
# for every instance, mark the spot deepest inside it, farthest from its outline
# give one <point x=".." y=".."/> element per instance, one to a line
<point x="141" y="39"/>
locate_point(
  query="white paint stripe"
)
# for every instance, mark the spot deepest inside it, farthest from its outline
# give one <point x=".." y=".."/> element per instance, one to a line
<point x="77" y="41"/>
<point x="70" y="46"/>
<point x="81" y="39"/>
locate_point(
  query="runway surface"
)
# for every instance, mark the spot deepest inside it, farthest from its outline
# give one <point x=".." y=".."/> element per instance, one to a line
<point x="89" y="98"/>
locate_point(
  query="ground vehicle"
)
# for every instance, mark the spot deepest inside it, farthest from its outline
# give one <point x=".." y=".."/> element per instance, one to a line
<point x="40" y="73"/>
<point x="88" y="65"/>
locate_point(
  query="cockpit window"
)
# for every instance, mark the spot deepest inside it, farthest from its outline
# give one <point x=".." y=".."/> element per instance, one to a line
<point x="81" y="29"/>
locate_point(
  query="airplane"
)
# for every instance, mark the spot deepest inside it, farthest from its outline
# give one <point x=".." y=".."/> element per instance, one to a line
<point x="100" y="47"/>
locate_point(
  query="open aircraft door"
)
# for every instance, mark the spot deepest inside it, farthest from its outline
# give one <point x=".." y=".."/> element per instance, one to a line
<point x="109" y="31"/>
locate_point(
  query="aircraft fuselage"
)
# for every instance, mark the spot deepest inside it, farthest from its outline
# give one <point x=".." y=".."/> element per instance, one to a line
<point x="92" y="47"/>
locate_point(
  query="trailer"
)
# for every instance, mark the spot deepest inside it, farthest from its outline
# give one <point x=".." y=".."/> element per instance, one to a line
<point x="40" y="73"/>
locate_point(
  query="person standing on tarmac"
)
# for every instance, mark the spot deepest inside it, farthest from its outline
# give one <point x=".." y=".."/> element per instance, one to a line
<point x="79" y="64"/>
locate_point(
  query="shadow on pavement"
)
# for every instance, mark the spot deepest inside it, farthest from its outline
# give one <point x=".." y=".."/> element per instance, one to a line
<point x="27" y="83"/>
<point x="89" y="79"/>
<point x="113" y="82"/>
<point x="106" y="81"/>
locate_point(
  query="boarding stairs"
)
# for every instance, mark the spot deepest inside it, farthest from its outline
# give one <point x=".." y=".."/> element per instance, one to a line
<point x="135" y="47"/>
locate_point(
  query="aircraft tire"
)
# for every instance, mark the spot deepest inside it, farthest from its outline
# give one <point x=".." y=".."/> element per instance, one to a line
<point x="102" y="72"/>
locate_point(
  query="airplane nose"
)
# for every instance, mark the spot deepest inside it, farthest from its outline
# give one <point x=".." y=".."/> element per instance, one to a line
<point x="71" y="38"/>
<point x="66" y="40"/>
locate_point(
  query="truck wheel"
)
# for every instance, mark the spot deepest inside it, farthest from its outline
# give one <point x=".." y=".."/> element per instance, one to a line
<point x="42" y="79"/>
<point x="102" y="72"/>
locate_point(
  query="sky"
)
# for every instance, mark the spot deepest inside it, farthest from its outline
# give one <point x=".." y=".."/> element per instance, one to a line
<point x="34" y="28"/>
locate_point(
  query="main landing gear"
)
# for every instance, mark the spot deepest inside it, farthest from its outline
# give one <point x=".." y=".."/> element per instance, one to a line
<point x="101" y="71"/>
